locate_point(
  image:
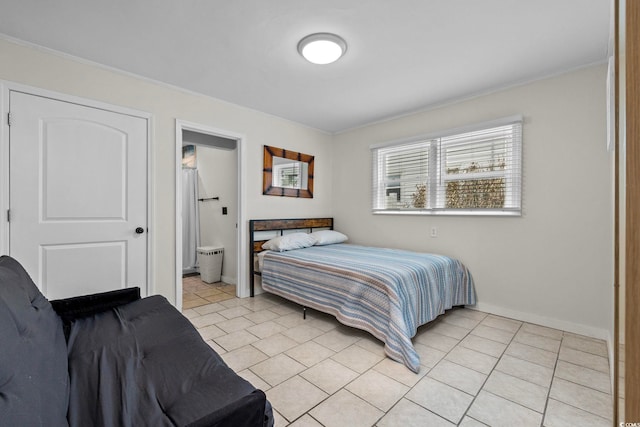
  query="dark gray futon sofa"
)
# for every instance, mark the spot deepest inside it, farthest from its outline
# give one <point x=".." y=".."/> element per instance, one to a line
<point x="111" y="359"/>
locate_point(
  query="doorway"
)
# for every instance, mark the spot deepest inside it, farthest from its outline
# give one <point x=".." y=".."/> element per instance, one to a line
<point x="209" y="209"/>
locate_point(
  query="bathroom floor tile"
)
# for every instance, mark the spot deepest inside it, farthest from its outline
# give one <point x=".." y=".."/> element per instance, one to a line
<point x="193" y="303"/>
<point x="219" y="297"/>
<point x="208" y="292"/>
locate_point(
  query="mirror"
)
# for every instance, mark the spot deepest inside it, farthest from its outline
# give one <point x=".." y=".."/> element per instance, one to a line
<point x="287" y="173"/>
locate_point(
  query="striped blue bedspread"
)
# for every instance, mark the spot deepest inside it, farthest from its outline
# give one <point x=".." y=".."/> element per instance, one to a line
<point x="387" y="292"/>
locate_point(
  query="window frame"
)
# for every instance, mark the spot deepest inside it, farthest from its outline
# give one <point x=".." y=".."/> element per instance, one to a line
<point x="438" y="177"/>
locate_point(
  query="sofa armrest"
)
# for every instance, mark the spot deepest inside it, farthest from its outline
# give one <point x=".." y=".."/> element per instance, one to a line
<point x="70" y="309"/>
<point x="248" y="411"/>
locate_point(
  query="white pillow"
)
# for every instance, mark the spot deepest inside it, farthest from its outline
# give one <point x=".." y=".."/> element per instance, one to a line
<point x="328" y="237"/>
<point x="289" y="242"/>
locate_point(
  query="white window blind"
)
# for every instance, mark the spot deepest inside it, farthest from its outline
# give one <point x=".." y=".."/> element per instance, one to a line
<point x="476" y="170"/>
<point x="287" y="174"/>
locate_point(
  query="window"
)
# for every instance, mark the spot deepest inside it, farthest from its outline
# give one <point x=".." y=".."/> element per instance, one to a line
<point x="476" y="170"/>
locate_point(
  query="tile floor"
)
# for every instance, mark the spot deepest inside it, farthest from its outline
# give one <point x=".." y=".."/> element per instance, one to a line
<point x="196" y="293"/>
<point x="477" y="369"/>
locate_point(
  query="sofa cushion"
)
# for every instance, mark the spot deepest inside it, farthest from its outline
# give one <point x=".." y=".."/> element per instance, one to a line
<point x="34" y="382"/>
<point x="145" y="364"/>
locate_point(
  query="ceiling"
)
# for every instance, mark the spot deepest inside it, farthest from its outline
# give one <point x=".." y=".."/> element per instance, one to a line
<point x="403" y="55"/>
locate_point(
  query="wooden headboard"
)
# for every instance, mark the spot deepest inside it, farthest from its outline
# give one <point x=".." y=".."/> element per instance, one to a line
<point x="279" y="226"/>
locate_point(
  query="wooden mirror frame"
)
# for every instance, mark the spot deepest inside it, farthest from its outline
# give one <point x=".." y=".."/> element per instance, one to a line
<point x="267" y="173"/>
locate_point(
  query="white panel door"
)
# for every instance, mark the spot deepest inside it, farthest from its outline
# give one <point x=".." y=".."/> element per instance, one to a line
<point x="78" y="196"/>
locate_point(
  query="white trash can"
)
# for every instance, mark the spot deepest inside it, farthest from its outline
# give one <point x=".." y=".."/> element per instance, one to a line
<point x="210" y="262"/>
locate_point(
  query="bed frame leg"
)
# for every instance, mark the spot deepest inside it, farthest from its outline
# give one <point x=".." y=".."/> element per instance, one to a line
<point x="304" y="312"/>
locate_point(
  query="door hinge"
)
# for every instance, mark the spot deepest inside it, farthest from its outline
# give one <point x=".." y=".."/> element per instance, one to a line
<point x="8" y="215"/>
<point x="9" y="118"/>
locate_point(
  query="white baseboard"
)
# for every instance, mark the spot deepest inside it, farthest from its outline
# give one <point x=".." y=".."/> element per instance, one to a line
<point x="549" y="322"/>
<point x="229" y="280"/>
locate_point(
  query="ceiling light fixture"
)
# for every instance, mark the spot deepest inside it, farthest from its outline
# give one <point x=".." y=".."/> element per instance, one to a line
<point x="322" y="48"/>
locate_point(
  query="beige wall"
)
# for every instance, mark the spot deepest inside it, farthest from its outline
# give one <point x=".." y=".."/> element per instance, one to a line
<point x="553" y="265"/>
<point x="43" y="69"/>
<point x="217" y="177"/>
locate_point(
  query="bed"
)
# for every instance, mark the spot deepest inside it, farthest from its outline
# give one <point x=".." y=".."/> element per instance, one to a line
<point x="386" y="292"/>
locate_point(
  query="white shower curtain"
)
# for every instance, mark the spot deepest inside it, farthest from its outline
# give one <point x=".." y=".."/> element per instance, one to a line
<point x="190" y="219"/>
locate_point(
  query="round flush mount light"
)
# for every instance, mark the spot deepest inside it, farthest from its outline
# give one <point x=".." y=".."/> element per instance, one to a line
<point x="322" y="48"/>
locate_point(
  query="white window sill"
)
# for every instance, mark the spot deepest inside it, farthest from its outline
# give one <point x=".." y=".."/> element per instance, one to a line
<point x="451" y="212"/>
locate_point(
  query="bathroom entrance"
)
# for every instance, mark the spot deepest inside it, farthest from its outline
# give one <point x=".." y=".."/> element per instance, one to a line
<point x="207" y="208"/>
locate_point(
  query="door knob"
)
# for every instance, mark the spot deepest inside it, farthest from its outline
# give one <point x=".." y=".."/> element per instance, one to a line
<point x="139" y="230"/>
